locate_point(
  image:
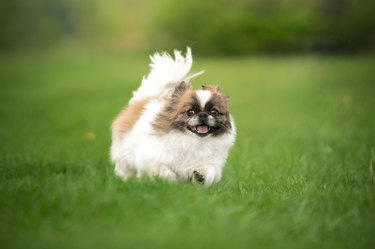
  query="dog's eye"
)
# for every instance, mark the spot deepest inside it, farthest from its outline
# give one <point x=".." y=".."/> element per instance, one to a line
<point x="214" y="112"/>
<point x="190" y="112"/>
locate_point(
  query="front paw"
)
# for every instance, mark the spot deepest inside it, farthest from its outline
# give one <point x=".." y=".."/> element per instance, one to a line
<point x="204" y="175"/>
<point x="199" y="177"/>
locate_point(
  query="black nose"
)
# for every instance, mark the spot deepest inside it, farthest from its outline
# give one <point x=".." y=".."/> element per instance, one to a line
<point x="202" y="115"/>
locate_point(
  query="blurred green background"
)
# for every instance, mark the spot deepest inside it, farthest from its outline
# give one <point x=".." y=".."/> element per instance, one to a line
<point x="230" y="27"/>
<point x="300" y="75"/>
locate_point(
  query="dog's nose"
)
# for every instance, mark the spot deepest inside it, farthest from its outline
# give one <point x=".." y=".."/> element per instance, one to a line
<point x="203" y="115"/>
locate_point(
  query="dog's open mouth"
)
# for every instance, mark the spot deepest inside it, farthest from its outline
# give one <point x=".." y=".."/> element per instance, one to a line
<point x="200" y="130"/>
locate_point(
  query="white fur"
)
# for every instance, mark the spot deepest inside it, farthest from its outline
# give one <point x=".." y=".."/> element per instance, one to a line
<point x="174" y="155"/>
<point x="204" y="96"/>
<point x="165" y="74"/>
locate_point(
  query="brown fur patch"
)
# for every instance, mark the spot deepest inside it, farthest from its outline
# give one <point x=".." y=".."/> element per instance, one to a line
<point x="220" y="101"/>
<point x="213" y="89"/>
<point x="182" y="98"/>
<point x="126" y="119"/>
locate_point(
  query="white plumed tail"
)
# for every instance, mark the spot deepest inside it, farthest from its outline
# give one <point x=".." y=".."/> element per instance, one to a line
<point x="165" y="74"/>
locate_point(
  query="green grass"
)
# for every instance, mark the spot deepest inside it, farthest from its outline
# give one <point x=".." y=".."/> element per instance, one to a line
<point x="301" y="174"/>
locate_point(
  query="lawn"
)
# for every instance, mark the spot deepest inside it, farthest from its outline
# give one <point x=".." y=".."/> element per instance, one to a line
<point x="301" y="174"/>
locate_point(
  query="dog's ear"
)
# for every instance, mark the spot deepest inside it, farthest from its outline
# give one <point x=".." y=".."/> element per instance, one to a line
<point x="205" y="88"/>
<point x="213" y="89"/>
<point x="181" y="88"/>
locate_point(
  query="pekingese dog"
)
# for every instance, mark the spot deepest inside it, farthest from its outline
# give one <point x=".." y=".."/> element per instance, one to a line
<point x="171" y="131"/>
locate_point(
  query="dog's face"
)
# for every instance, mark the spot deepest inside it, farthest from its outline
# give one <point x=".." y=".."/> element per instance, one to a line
<point x="203" y="112"/>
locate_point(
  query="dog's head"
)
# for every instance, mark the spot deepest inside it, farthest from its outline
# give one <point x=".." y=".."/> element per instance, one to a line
<point x="202" y="112"/>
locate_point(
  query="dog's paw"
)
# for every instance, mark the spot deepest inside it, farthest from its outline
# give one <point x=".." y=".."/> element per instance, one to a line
<point x="204" y="175"/>
<point x="199" y="177"/>
<point x="167" y="174"/>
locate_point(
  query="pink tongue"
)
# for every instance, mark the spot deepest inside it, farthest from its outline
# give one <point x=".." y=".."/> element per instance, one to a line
<point x="202" y="128"/>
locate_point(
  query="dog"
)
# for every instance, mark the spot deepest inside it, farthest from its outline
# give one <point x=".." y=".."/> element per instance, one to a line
<point x="170" y="131"/>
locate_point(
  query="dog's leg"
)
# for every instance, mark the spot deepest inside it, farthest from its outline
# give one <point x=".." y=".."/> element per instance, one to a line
<point x="124" y="171"/>
<point x="167" y="174"/>
<point x="162" y="172"/>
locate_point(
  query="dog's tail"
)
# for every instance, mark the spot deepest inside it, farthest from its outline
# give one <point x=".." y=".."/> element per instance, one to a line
<point x="166" y="73"/>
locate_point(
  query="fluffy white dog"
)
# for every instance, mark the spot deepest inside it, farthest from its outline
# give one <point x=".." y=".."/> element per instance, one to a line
<point x="171" y="131"/>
